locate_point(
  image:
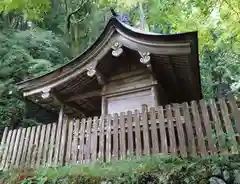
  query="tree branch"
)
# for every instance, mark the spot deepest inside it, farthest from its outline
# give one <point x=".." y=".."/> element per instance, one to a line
<point x="74" y="12"/>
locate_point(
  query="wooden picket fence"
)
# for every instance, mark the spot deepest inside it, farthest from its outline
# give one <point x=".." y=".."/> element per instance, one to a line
<point x="196" y="129"/>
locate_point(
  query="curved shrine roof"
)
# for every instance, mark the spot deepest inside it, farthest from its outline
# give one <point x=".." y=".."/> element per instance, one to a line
<point x="184" y="45"/>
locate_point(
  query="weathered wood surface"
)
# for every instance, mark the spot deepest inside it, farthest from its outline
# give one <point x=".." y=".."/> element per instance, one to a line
<point x="198" y="128"/>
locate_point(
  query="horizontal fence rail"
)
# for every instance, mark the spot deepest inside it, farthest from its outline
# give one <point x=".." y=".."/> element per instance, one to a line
<point x="187" y="129"/>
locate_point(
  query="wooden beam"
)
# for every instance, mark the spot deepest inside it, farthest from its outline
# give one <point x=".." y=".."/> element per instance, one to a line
<point x="84" y="95"/>
<point x="100" y="78"/>
<point x="70" y="105"/>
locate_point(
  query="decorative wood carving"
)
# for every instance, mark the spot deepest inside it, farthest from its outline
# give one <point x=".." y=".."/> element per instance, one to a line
<point x="117" y="49"/>
<point x="46" y="93"/>
<point x="145" y="59"/>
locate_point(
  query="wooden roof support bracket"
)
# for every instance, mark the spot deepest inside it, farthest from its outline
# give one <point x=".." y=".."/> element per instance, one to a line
<point x="117" y="49"/>
<point x="100" y="77"/>
<point x="146" y="60"/>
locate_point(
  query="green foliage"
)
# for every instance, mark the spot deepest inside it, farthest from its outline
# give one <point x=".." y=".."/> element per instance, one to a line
<point x="25" y="54"/>
<point x="31" y="9"/>
<point x="157" y="169"/>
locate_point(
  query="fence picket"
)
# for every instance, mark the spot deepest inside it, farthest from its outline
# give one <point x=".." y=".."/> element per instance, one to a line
<point x="69" y="143"/>
<point x="88" y="141"/>
<point x="30" y="146"/>
<point x="75" y="146"/>
<point x="5" y="154"/>
<point x="146" y="147"/>
<point x="81" y="142"/>
<point x="123" y="152"/>
<point x="20" y="148"/>
<point x="199" y="131"/>
<point x="46" y="144"/>
<point x="63" y="141"/>
<point x="137" y="134"/>
<point x="58" y="136"/>
<point x="182" y="145"/>
<point x="163" y="135"/>
<point x="108" y="138"/>
<point x="9" y="156"/>
<point x="172" y="136"/>
<point x="51" y="144"/>
<point x="155" y="143"/>
<point x="190" y="135"/>
<point x="94" y="139"/>
<point x="228" y="125"/>
<point x="40" y="147"/>
<point x="35" y="149"/>
<point x="15" y="149"/>
<point x="101" y="138"/>
<point x="3" y="141"/>
<point x="25" y="147"/>
<point x="235" y="110"/>
<point x="207" y="124"/>
<point x="115" y="136"/>
<point x="218" y="127"/>
<point x="130" y="132"/>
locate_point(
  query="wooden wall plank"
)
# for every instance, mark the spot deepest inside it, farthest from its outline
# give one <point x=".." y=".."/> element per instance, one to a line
<point x="218" y="127"/>
<point x="235" y="111"/>
<point x="63" y="141"/>
<point x="36" y="144"/>
<point x="190" y="135"/>
<point x="115" y="136"/>
<point x="25" y="147"/>
<point x="181" y="137"/>
<point x="94" y="139"/>
<point x="108" y="138"/>
<point x="163" y="135"/>
<point x="69" y="142"/>
<point x="130" y="132"/>
<point x="30" y="146"/>
<point x="172" y="136"/>
<point x="137" y="134"/>
<point x="20" y="148"/>
<point x="199" y="131"/>
<point x="228" y="124"/>
<point x="81" y="142"/>
<point x="101" y="138"/>
<point x="155" y="143"/>
<point x="6" y="149"/>
<point x="123" y="149"/>
<point x="88" y="141"/>
<point x="11" y="146"/>
<point x="40" y="147"/>
<point x="146" y="143"/>
<point x="16" y="146"/>
<point x="75" y="141"/>
<point x="207" y="124"/>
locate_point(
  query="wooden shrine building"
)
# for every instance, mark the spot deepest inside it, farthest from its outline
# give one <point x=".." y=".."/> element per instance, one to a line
<point x="124" y="69"/>
<point x="122" y="72"/>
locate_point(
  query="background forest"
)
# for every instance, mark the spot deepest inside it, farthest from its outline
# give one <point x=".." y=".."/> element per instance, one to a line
<point x="38" y="36"/>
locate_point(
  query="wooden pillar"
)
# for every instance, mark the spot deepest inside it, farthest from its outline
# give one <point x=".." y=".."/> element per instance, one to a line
<point x="104" y="105"/>
<point x="61" y="114"/>
<point x="154" y="95"/>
